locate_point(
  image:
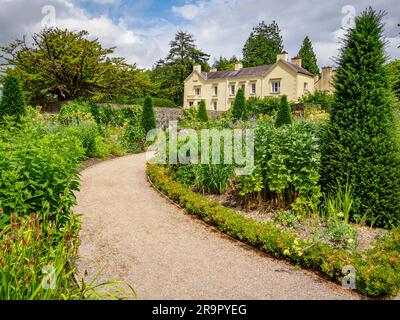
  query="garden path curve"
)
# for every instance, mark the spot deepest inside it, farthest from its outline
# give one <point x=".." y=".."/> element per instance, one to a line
<point x="166" y="254"/>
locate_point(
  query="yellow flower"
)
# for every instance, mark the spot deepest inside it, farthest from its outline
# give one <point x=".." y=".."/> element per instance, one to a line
<point x="286" y="252"/>
<point x="300" y="253"/>
<point x="296" y="242"/>
<point x="350" y="240"/>
<point x="340" y="214"/>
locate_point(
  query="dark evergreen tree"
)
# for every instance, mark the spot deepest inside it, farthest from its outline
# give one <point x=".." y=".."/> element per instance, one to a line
<point x="239" y="105"/>
<point x="308" y="57"/>
<point x="263" y="45"/>
<point x="360" y="146"/>
<point x="202" y="112"/>
<point x="148" y="117"/>
<point x="284" y="115"/>
<point x="12" y="102"/>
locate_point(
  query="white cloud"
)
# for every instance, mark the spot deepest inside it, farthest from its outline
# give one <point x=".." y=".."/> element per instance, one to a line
<point x="188" y="11"/>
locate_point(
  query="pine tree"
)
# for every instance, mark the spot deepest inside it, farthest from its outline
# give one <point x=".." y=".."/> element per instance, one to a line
<point x="202" y="112"/>
<point x="263" y="45"/>
<point x="308" y="57"/>
<point x="239" y="105"/>
<point x="360" y="146"/>
<point x="12" y="102"/>
<point x="284" y="116"/>
<point x="148" y="118"/>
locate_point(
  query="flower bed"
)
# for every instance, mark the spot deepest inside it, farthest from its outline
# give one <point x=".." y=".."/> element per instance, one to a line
<point x="377" y="270"/>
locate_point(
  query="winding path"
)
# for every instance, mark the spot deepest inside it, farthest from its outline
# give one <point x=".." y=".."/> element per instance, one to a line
<point x="166" y="254"/>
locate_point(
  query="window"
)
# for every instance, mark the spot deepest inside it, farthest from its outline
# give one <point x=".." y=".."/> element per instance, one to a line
<point x="232" y="89"/>
<point x="305" y="86"/>
<point x="276" y="87"/>
<point x="198" y="91"/>
<point x="215" y="91"/>
<point x="215" y="105"/>
<point x="253" y="88"/>
<point x="243" y="87"/>
<point x="191" y="104"/>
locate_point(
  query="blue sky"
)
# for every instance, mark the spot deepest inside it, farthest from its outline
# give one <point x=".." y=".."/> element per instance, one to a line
<point x="142" y="29"/>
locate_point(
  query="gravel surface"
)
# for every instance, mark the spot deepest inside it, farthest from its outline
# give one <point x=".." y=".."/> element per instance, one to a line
<point x="166" y="254"/>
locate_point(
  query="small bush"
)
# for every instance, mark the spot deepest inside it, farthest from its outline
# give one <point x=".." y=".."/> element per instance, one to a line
<point x="148" y="117"/>
<point x="202" y="112"/>
<point x="213" y="178"/>
<point x="239" y="106"/>
<point x="284" y="116"/>
<point x="75" y="113"/>
<point x="320" y="99"/>
<point x="266" y="106"/>
<point x="12" y="102"/>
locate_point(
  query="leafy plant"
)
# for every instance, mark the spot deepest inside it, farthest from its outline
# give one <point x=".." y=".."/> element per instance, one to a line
<point x="284" y="116"/>
<point x="213" y="178"/>
<point x="239" y="106"/>
<point x="202" y="112"/>
<point x="12" y="102"/>
<point x="148" y="118"/>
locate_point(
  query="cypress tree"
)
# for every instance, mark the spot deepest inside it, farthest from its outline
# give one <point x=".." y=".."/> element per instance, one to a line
<point x="202" y="112"/>
<point x="308" y="57"/>
<point x="284" y="116"/>
<point x="12" y="102"/>
<point x="360" y="146"/>
<point x="148" y="117"/>
<point x="239" y="105"/>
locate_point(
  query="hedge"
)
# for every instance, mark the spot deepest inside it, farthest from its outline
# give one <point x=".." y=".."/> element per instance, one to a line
<point x="157" y="102"/>
<point x="377" y="270"/>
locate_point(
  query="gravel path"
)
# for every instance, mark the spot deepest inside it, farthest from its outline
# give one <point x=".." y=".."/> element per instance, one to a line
<point x="166" y="254"/>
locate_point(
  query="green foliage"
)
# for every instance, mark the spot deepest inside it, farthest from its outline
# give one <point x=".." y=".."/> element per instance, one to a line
<point x="75" y="113"/>
<point x="225" y="64"/>
<point x="266" y="105"/>
<point x="239" y="106"/>
<point x="134" y="137"/>
<point x="308" y="57"/>
<point x="263" y="45"/>
<point x="32" y="244"/>
<point x="284" y="115"/>
<point x="202" y="112"/>
<point x="69" y="65"/>
<point x="186" y="174"/>
<point x="319" y="99"/>
<point x="170" y="73"/>
<point x="287" y="161"/>
<point x="378" y="271"/>
<point x="360" y="145"/>
<point x="12" y="101"/>
<point x="148" y="117"/>
<point x="394" y="72"/>
<point x="157" y="102"/>
<point x="287" y="218"/>
<point x="213" y="178"/>
<point x="38" y="170"/>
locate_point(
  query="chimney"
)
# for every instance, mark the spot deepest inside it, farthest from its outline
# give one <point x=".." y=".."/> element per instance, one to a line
<point x="238" y="66"/>
<point x="297" y="61"/>
<point x="197" y="67"/>
<point x="327" y="79"/>
<point x="282" y="56"/>
<point x="213" y="70"/>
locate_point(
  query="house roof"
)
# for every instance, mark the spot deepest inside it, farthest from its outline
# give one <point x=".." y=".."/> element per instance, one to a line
<point x="252" y="71"/>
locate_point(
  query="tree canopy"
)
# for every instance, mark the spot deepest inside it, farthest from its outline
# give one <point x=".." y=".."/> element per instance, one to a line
<point x="308" y="57"/>
<point x="69" y="65"/>
<point x="225" y="64"/>
<point x="171" y="72"/>
<point x="263" y="44"/>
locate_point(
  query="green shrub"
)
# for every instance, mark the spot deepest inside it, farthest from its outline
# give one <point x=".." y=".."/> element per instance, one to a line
<point x="320" y="99"/>
<point x="287" y="161"/>
<point x="186" y="174"/>
<point x="12" y="102"/>
<point x="284" y="115"/>
<point x="75" y="113"/>
<point x="267" y="105"/>
<point x="38" y="169"/>
<point x="148" y="117"/>
<point x="213" y="178"/>
<point x="360" y="145"/>
<point x="377" y="272"/>
<point x="239" y="106"/>
<point x="202" y="112"/>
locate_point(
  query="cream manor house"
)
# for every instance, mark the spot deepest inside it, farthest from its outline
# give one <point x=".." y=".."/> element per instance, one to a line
<point x="219" y="88"/>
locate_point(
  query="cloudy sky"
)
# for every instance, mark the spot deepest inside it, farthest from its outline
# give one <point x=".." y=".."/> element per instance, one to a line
<point x="142" y="29"/>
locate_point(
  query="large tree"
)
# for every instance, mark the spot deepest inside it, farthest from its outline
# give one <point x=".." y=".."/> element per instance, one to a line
<point x="172" y="71"/>
<point x="309" y="59"/>
<point x="263" y="44"/>
<point x="361" y="147"/>
<point x="68" y="65"/>
<point x="225" y="64"/>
